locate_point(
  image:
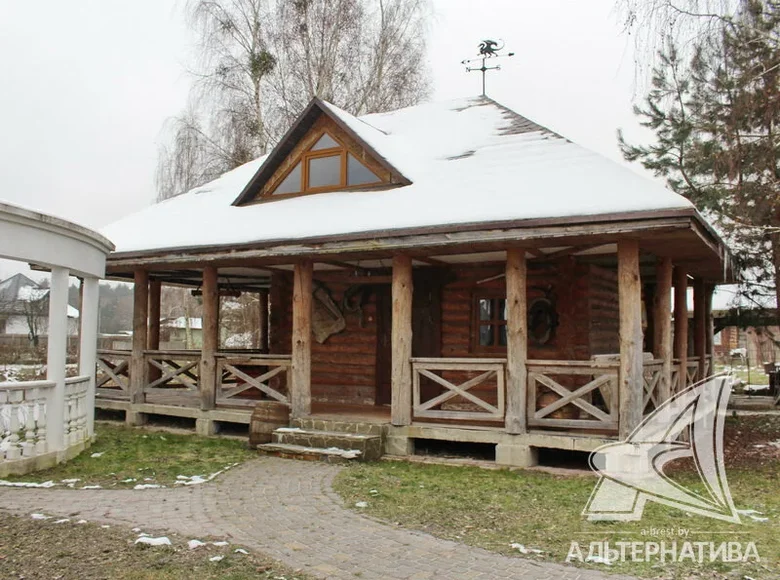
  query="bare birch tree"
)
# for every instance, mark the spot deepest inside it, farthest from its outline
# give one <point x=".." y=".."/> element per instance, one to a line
<point x="261" y="61"/>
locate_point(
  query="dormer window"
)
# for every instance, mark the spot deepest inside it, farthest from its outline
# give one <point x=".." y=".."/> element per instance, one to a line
<point x="325" y="150"/>
<point x="326" y="166"/>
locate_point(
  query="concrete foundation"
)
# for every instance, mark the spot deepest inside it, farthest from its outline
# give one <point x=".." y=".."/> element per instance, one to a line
<point x="206" y="427"/>
<point x="135" y="418"/>
<point x="399" y="445"/>
<point x="516" y="455"/>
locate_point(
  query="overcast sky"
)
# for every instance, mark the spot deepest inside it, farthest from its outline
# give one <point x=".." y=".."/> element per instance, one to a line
<point x="86" y="86"/>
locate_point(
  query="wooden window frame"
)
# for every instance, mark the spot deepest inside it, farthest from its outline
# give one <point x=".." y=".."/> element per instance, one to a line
<point x="494" y="323"/>
<point x="342" y="151"/>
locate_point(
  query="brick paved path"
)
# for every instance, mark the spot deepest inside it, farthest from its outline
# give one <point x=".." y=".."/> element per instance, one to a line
<point x="288" y="510"/>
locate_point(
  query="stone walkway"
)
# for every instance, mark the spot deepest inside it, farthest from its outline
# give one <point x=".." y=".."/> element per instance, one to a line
<point x="288" y="510"/>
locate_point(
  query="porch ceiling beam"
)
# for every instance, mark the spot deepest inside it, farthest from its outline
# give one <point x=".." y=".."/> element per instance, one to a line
<point x="431" y="261"/>
<point x="569" y="251"/>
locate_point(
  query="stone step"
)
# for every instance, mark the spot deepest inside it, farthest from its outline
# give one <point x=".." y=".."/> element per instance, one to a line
<point x="370" y="446"/>
<point x="357" y="427"/>
<point x="309" y="453"/>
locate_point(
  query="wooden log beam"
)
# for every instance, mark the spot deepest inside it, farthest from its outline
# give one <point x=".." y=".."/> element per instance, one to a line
<point x="208" y="351"/>
<point x="681" y="323"/>
<point x="401" y="341"/>
<point x="139" y="370"/>
<point x="700" y="325"/>
<point x="517" y="341"/>
<point x="662" y="327"/>
<point x="263" y="321"/>
<point x="300" y="387"/>
<point x="631" y="363"/>
<point x="153" y="339"/>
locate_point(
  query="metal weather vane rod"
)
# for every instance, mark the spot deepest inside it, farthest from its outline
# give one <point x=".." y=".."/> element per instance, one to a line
<point x="488" y="49"/>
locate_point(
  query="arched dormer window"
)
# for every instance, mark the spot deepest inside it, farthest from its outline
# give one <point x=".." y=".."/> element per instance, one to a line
<point x="326" y="166"/>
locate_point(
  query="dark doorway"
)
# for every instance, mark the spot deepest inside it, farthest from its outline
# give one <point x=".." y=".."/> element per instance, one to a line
<point x="426" y="329"/>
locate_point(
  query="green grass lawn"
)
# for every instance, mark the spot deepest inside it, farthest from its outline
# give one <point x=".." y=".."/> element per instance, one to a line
<point x="495" y="508"/>
<point x="753" y="376"/>
<point x="127" y="457"/>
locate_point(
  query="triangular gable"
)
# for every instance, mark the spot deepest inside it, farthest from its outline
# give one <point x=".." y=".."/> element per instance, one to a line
<point x="320" y="153"/>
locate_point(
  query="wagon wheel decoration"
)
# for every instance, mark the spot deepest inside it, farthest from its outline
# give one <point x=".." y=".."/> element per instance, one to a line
<point x="542" y="321"/>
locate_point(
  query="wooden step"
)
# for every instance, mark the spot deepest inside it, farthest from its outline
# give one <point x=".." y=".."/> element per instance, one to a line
<point x="329" y="455"/>
<point x="358" y="427"/>
<point x="369" y="445"/>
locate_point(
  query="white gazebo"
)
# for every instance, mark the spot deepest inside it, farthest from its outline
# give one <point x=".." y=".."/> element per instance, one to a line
<point x="49" y="421"/>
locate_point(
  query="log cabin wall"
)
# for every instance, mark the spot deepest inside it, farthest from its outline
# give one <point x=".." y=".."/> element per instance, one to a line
<point x="604" y="311"/>
<point x="344" y="367"/>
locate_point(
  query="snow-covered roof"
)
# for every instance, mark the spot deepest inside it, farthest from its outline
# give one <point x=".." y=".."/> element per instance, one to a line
<point x="469" y="161"/>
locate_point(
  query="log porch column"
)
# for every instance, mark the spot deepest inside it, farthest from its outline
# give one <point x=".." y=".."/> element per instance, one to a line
<point x="208" y="352"/>
<point x="401" y="339"/>
<point x="263" y="321"/>
<point x="700" y="325"/>
<point x="139" y="371"/>
<point x="516" y="341"/>
<point x="710" y="347"/>
<point x="662" y="325"/>
<point x="300" y="383"/>
<point x="153" y="339"/>
<point x="631" y="363"/>
<point x="681" y="325"/>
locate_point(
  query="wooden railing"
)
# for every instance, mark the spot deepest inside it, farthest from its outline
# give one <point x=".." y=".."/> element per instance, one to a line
<point x="243" y="379"/>
<point x="651" y="379"/>
<point x="584" y="394"/>
<point x="692" y="371"/>
<point x="456" y="384"/>
<point x="112" y="378"/>
<point x="23" y="419"/>
<point x="175" y="370"/>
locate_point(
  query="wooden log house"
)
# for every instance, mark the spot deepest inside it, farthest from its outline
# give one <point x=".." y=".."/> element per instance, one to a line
<point x="450" y="271"/>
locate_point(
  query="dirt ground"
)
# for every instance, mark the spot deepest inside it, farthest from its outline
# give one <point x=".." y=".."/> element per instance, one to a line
<point x="44" y="549"/>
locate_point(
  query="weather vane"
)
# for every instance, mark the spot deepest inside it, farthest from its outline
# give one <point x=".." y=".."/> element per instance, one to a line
<point x="487" y="49"/>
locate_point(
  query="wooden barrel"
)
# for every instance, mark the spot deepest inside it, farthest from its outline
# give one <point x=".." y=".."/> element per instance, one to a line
<point x="267" y="416"/>
<point x="566" y="412"/>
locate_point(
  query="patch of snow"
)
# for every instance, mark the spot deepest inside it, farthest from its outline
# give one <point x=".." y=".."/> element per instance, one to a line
<point x="220" y="544"/>
<point x="40" y="517"/>
<point x="161" y="541"/>
<point x="198" y="479"/>
<point x="136" y="530"/>
<point x="361" y="504"/>
<point x="148" y="486"/>
<point x="216" y="558"/>
<point x="240" y="551"/>
<point x="194" y="544"/>
<point x="525" y="550"/>
<point x="289" y="430"/>
<point x="105" y="526"/>
<point x="45" y="484"/>
<point x="599" y="560"/>
<point x="75" y="480"/>
<point x="81" y="522"/>
<point x="129" y="480"/>
<point x="62" y="521"/>
<point x="91" y="487"/>
<point x="95" y="455"/>
<point x="373" y="491"/>
<point x="345" y="453"/>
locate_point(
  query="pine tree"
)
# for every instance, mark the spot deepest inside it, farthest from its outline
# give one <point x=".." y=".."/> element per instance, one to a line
<point x="715" y="120"/>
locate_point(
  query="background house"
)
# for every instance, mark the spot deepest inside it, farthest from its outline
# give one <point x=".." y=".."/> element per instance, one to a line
<point x="24" y="310"/>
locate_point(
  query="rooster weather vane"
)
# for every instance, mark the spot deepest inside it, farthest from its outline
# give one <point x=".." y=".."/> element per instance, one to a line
<point x="488" y="49"/>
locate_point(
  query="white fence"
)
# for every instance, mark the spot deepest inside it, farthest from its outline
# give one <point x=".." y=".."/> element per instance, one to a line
<point x="27" y="423"/>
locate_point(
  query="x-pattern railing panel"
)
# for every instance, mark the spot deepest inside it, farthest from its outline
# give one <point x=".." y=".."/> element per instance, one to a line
<point x="113" y="370"/>
<point x="489" y="371"/>
<point x="235" y="378"/>
<point x="601" y="378"/>
<point x="177" y="371"/>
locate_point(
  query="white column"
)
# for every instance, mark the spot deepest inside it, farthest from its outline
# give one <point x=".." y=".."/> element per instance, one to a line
<point x="56" y="357"/>
<point x="88" y="344"/>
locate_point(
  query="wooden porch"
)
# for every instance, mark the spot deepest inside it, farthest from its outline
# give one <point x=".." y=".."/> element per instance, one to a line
<point x="515" y="399"/>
